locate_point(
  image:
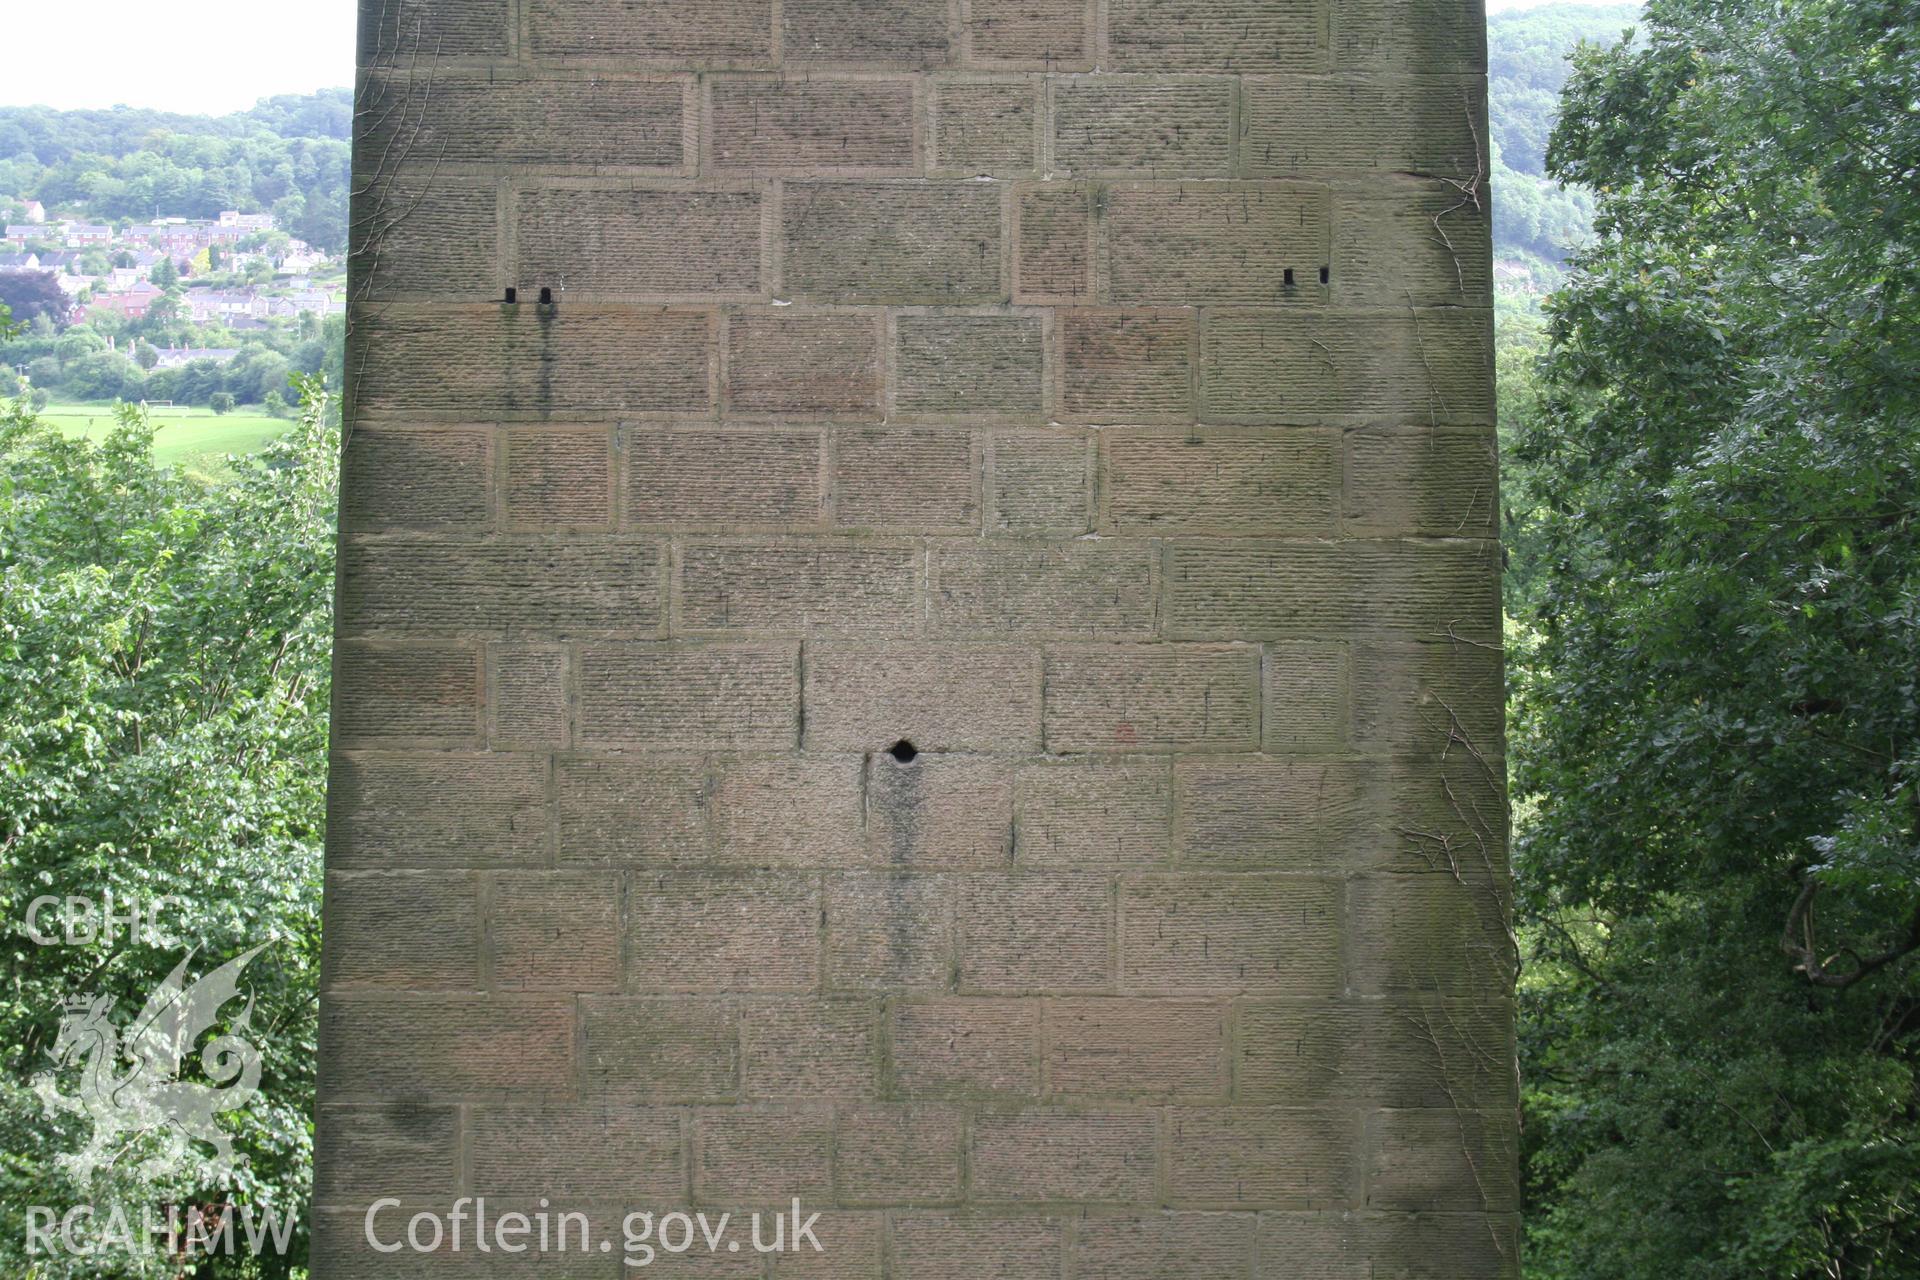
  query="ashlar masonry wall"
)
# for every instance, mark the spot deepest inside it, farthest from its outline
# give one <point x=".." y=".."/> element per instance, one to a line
<point x="918" y="630"/>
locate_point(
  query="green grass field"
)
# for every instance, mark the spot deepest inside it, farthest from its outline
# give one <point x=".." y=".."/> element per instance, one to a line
<point x="192" y="438"/>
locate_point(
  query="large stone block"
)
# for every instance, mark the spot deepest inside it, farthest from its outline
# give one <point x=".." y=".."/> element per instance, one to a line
<point x="728" y="696"/>
<point x="402" y="31"/>
<point x="1215" y="35"/>
<point x="1037" y="35"/>
<point x="1345" y="125"/>
<point x="423" y="121"/>
<point x="410" y="586"/>
<point x="1131" y="125"/>
<point x="403" y="930"/>
<point x="437" y="809"/>
<point x="450" y="1046"/>
<point x="782" y="125"/>
<point x="808" y="363"/>
<point x="1029" y="588"/>
<point x="1212" y="482"/>
<point x="1228" y="243"/>
<point x="1301" y="366"/>
<point x="966" y="1048"/>
<point x="1153" y="697"/>
<point x="813" y="587"/>
<point x="909" y="33"/>
<point x="699" y="931"/>
<point x="655" y="245"/>
<point x="1127" y="366"/>
<point x="1205" y="934"/>
<point x="985" y="127"/>
<point x="893" y="242"/>
<point x="526" y="361"/>
<point x="1420" y="589"/>
<point x="996" y="953"/>
<point x="698" y="478"/>
<point x="967" y="364"/>
<point x="1263" y="1158"/>
<point x="719" y="33"/>
<point x="940" y="810"/>
<point x="1109" y="1047"/>
<point x="1108" y="813"/>
<point x="1047" y="1156"/>
<point x="940" y="697"/>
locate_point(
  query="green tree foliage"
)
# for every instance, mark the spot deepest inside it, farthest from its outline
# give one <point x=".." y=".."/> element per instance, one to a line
<point x="288" y="156"/>
<point x="1526" y="65"/>
<point x="1718" y="726"/>
<point x="27" y="294"/>
<point x="163" y="696"/>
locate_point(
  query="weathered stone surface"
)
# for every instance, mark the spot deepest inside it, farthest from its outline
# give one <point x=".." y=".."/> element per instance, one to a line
<point x="1039" y="35"/>
<point x="717" y="34"/>
<point x="889" y="933"/>
<point x="893" y="242"/>
<point x="415" y="586"/>
<point x="1156" y="697"/>
<point x="695" y="478"/>
<point x="1281" y="589"/>
<point x="677" y="695"/>
<point x="439" y="239"/>
<point x="1249" y="243"/>
<point x="947" y="666"/>
<point x="419" y="119"/>
<point x="997" y="956"/>
<point x="1284" y="366"/>
<point x="766" y="125"/>
<point x="1221" y="484"/>
<point x="558" y="477"/>
<point x="1215" y="35"/>
<point x="1029" y="588"/>
<point x="942" y="697"/>
<point x="1054" y="245"/>
<point x="440" y="809"/>
<point x="639" y="811"/>
<point x="400" y="31"/>
<point x="1049" y="1156"/>
<point x="1196" y="933"/>
<point x="1343" y="125"/>
<point x="593" y="242"/>
<point x="967" y="364"/>
<point x="1117" y="813"/>
<point x="526" y="361"/>
<point x="554" y="930"/>
<point x="416" y="477"/>
<point x="921" y="480"/>
<point x="1141" y="1048"/>
<point x="1400" y="1053"/>
<point x="699" y="931"/>
<point x="940" y="810"/>
<point x="808" y="363"/>
<point x="1127" y="366"/>
<point x="985" y="127"/>
<point x="1262" y="1157"/>
<point x="404" y="930"/>
<point x="446" y="1046"/>
<point x="1135" y="124"/>
<point x="1042" y="483"/>
<point x="817" y="587"/>
<point x="884" y="32"/>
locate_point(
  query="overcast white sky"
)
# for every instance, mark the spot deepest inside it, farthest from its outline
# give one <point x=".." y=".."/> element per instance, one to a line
<point x="209" y="56"/>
